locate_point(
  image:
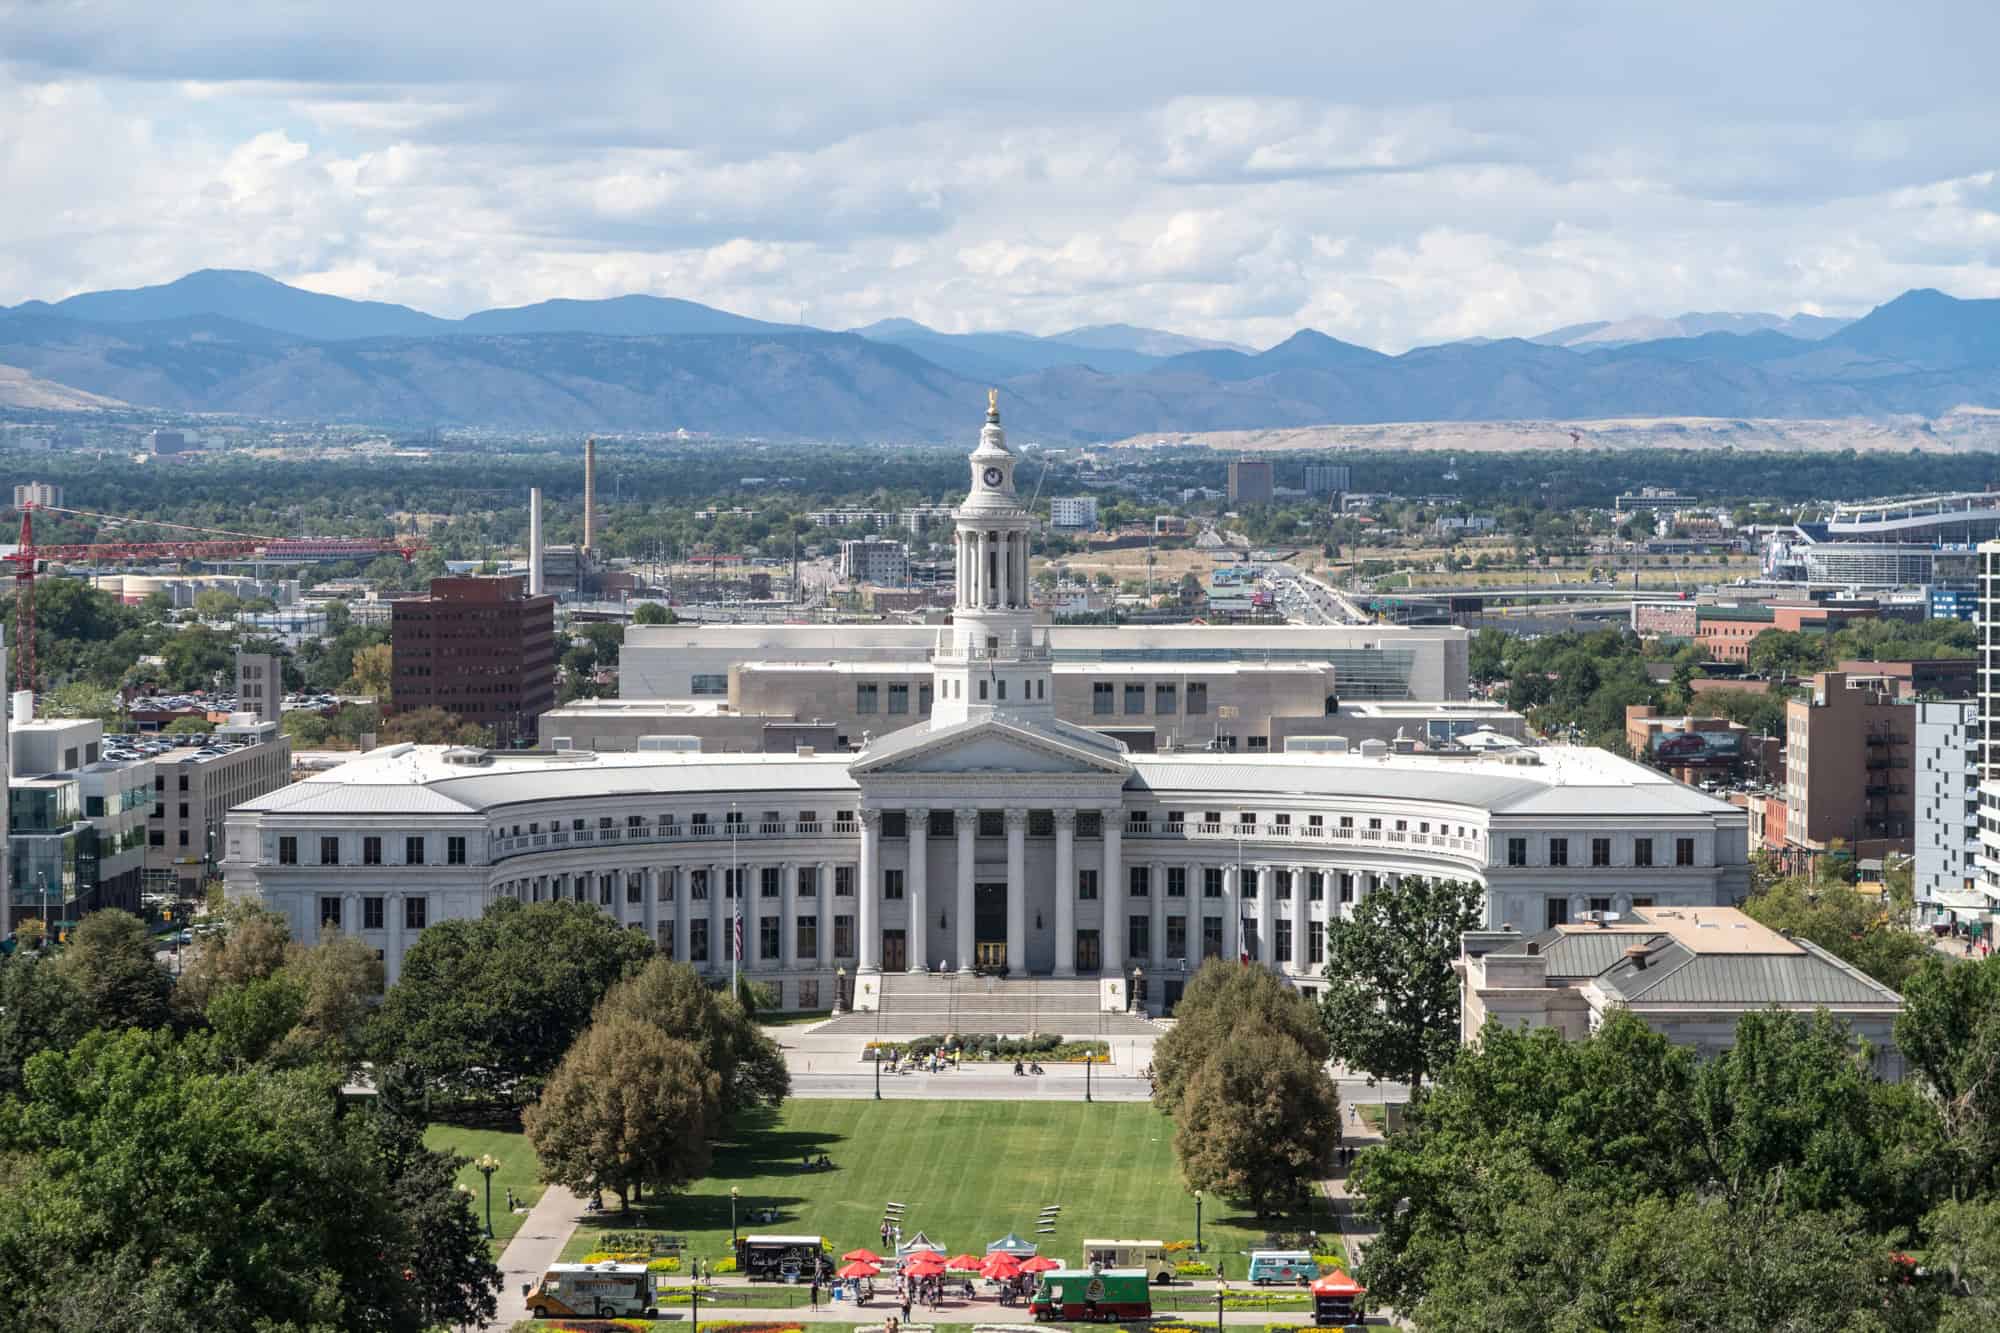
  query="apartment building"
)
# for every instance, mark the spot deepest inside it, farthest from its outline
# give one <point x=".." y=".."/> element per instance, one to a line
<point x="482" y="649"/>
<point x="1848" y="749"/>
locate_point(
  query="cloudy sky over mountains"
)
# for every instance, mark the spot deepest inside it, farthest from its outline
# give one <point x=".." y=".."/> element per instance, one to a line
<point x="1391" y="174"/>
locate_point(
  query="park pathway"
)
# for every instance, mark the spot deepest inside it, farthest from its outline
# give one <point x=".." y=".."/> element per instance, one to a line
<point x="535" y="1246"/>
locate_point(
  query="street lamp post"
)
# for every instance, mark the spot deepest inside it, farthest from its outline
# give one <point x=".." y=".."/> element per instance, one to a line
<point x="734" y="1195"/>
<point x="877" y="1051"/>
<point x="487" y="1165"/>
<point x="839" y="987"/>
<point x="1221" y="1295"/>
<point x="1088" y="1061"/>
<point x="1197" y="1221"/>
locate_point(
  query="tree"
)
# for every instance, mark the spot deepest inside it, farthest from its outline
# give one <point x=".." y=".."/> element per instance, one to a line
<point x="673" y="997"/>
<point x="1965" y="1246"/>
<point x="338" y="979"/>
<point x="433" y="726"/>
<point x="1221" y="999"/>
<point x="189" y="726"/>
<point x="40" y="1010"/>
<point x="251" y="945"/>
<point x="77" y="699"/>
<point x="1260" y="1119"/>
<point x="374" y="668"/>
<point x="215" y="1200"/>
<point x="1391" y="1007"/>
<point x="1949" y="1034"/>
<point x="109" y="959"/>
<point x="1843" y="923"/>
<point x="628" y="1107"/>
<point x="653" y="613"/>
<point x="250" y="1019"/>
<point x="305" y="729"/>
<point x="486" y="1008"/>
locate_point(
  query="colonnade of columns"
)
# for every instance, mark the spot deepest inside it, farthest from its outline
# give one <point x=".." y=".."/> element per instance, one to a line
<point x="992" y="568"/>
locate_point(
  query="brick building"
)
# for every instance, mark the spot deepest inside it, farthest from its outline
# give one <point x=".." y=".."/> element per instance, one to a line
<point x="1847" y="767"/>
<point x="482" y="649"/>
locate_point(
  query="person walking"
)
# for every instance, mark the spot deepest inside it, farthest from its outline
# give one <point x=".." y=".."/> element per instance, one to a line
<point x="815" y="1289"/>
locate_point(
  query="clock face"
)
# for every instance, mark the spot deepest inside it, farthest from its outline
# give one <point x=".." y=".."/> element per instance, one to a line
<point x="993" y="476"/>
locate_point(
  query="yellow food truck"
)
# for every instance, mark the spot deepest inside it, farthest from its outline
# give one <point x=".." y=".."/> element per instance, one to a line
<point x="1150" y="1255"/>
<point x="594" y="1291"/>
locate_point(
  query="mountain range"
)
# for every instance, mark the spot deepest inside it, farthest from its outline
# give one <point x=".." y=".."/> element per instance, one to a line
<point x="236" y="342"/>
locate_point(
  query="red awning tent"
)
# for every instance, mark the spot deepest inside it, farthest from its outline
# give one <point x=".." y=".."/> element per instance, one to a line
<point x="1000" y="1264"/>
<point x="862" y="1256"/>
<point x="858" y="1269"/>
<point x="964" y="1263"/>
<point x="1042" y="1264"/>
<point x="1337" y="1284"/>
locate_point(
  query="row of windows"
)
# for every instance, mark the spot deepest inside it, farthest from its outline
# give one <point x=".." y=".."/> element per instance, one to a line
<point x="371" y="850"/>
<point x="869" y="695"/>
<point x="770" y="884"/>
<point x="1600" y="851"/>
<point x="416" y="912"/>
<point x="1166" y="698"/>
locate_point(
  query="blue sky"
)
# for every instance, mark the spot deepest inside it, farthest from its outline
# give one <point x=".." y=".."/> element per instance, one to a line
<point x="1390" y="174"/>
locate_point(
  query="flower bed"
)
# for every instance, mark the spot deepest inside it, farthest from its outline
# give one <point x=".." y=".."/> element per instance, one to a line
<point x="985" y="1046"/>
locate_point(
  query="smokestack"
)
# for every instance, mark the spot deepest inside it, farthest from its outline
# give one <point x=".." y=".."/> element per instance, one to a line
<point x="589" y="492"/>
<point x="535" y="542"/>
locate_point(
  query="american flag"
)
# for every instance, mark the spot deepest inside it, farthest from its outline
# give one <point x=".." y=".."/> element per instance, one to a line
<point x="739" y="934"/>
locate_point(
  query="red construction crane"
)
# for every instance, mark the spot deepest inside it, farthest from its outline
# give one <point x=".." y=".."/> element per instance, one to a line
<point x="214" y="545"/>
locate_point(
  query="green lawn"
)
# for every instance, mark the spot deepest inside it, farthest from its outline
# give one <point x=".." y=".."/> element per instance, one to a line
<point x="517" y="1171"/>
<point x="794" y="1020"/>
<point x="966" y="1173"/>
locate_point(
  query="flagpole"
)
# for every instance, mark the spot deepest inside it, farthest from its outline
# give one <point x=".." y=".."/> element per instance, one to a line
<point x="736" y="881"/>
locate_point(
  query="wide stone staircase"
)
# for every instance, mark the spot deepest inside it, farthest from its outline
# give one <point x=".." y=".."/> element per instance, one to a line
<point x="918" y="1003"/>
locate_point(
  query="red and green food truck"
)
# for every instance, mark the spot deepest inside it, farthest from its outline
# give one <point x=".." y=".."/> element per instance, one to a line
<point x="1072" y="1295"/>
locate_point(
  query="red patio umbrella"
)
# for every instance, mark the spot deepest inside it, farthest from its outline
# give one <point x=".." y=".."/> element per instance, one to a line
<point x="858" y="1269"/>
<point x="1337" y="1284"/>
<point x="1041" y="1264"/>
<point x="862" y="1256"/>
<point x="1001" y="1264"/>
<point x="964" y="1263"/>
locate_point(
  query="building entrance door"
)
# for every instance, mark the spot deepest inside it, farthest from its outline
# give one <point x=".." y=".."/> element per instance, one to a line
<point x="1087" y="957"/>
<point x="895" y="954"/>
<point x="989" y="927"/>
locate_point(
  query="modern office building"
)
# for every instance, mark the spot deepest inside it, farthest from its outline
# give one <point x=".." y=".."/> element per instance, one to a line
<point x="482" y="649"/>
<point x="875" y="560"/>
<point x="197" y="780"/>
<point x="1946" y="776"/>
<point x="1251" y="481"/>
<point x="37" y="493"/>
<point x="76" y="811"/>
<point x="1847" y="768"/>
<point x="1073" y="511"/>
<point x="994" y="838"/>
<point x="1327" y="479"/>
<point x="260" y="685"/>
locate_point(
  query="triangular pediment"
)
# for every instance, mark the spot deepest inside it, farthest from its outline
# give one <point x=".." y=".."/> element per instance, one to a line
<point x="988" y="746"/>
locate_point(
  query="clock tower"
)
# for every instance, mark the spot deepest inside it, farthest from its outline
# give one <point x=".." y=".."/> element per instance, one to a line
<point x="988" y="659"/>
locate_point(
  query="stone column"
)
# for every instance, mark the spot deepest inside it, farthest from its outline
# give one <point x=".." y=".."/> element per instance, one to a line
<point x="649" y="903"/>
<point x="1232" y="909"/>
<point x="1017" y="893"/>
<point x="718" y="920"/>
<point x="1111" y="935"/>
<point x="788" y="915"/>
<point x="823" y="904"/>
<point x="867" y="895"/>
<point x="1301" y="918"/>
<point x="968" y="830"/>
<point x="1157" y="955"/>
<point x="1065" y="893"/>
<point x="392" y="909"/>
<point x="683" y="911"/>
<point x="916" y="886"/>
<point x="1267" y="893"/>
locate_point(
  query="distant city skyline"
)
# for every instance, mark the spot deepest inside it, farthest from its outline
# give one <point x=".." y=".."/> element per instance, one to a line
<point x="1390" y="178"/>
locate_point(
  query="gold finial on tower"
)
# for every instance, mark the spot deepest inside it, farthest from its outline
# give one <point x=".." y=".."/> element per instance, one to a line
<point x="993" y="404"/>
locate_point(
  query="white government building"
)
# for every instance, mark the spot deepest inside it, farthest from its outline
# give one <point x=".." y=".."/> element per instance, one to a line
<point x="993" y="837"/>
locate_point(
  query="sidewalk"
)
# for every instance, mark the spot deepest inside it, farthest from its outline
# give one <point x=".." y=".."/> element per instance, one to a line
<point x="534" y="1247"/>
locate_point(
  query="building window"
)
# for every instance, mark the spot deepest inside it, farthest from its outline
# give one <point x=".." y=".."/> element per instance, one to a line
<point x="943" y="824"/>
<point x="843" y="937"/>
<point x="1315" y="886"/>
<point x="371" y="851"/>
<point x="808" y="882"/>
<point x="843" y="881"/>
<point x="371" y="913"/>
<point x="992" y="823"/>
<point x="698" y="941"/>
<point x="697" y="886"/>
<point x="604" y="890"/>
<point x="711" y="684"/>
<point x="1140" y="883"/>
<point x="770" y="881"/>
<point x="1557" y="913"/>
<point x="892" y="885"/>
<point x="865" y="696"/>
<point x="288" y="851"/>
<point x="329" y="851"/>
<point x="1211" y="881"/>
<point x="1176" y="881"/>
<point x="899" y="698"/>
<point x="454" y="851"/>
<point x="1642" y="851"/>
<point x="1089" y="824"/>
<point x="1041" y="823"/>
<point x="413" y="851"/>
<point x="1165" y="700"/>
<point x="183" y="835"/>
<point x="895" y="824"/>
<point x="1642" y="902"/>
<point x="1517" y="851"/>
<point x="1086" y="886"/>
<point x="767" y="938"/>
<point x="806" y="941"/>
<point x="1101" y="698"/>
<point x="1558" y="851"/>
<point x="1600" y="851"/>
<point x="1135" y="700"/>
<point x="1197" y="696"/>
<point x="1282" y="945"/>
<point x="1601" y="906"/>
<point x="635" y="886"/>
<point x="923" y="707"/>
<point x="1177" y="937"/>
<point x="329" y="912"/>
<point x="1138" y="937"/>
<point x="1683" y="851"/>
<point x="1346" y="886"/>
<point x="1315" y="944"/>
<point x="416" y="912"/>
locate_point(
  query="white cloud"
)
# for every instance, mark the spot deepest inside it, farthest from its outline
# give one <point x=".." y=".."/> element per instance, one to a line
<point x="1422" y="173"/>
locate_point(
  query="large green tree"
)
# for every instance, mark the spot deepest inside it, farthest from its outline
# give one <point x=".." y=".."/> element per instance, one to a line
<point x="1949" y="1036"/>
<point x="1259" y="1121"/>
<point x="1391" y="1003"/>
<point x="629" y="1107"/>
<point x="252" y="944"/>
<point x="673" y="998"/>
<point x="486" y="1008"/>
<point x="1845" y="924"/>
<point x="109" y="959"/>
<point x="40" y="1010"/>
<point x="1221" y="1000"/>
